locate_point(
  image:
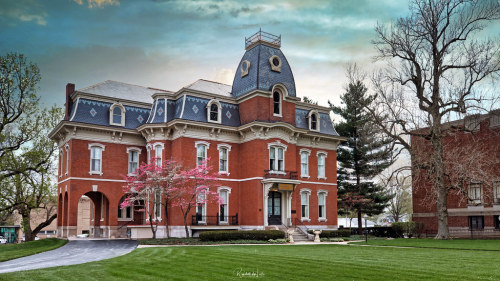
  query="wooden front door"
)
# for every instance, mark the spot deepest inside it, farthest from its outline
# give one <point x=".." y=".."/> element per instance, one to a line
<point x="274" y="208"/>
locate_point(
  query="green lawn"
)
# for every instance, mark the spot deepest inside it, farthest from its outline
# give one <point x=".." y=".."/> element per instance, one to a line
<point x="13" y="251"/>
<point x="281" y="262"/>
<point x="433" y="243"/>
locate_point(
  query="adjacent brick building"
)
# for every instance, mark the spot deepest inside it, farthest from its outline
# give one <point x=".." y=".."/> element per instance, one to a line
<point x="276" y="155"/>
<point x="475" y="208"/>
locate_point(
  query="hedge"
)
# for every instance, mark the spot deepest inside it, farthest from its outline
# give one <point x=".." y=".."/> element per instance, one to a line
<point x="333" y="233"/>
<point x="408" y="229"/>
<point x="225" y="235"/>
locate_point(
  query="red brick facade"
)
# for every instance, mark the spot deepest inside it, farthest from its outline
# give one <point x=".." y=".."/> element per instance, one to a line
<point x="469" y="214"/>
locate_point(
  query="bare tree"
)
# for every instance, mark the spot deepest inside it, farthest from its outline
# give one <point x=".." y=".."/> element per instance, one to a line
<point x="399" y="186"/>
<point x="437" y="69"/>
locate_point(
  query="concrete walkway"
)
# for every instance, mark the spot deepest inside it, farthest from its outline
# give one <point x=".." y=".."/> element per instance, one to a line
<point x="74" y="252"/>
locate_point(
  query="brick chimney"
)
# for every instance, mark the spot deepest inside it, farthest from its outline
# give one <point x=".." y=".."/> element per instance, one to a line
<point x="70" y="88"/>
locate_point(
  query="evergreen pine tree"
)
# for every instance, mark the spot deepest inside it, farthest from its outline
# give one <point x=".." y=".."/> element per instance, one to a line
<point x="364" y="155"/>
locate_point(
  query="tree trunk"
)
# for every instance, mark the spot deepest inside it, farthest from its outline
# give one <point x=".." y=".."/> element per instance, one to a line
<point x="42" y="225"/>
<point x="153" y="229"/>
<point x="360" y="224"/>
<point x="26" y="217"/>
<point x="439" y="185"/>
<point x="166" y="219"/>
<point x="186" y="225"/>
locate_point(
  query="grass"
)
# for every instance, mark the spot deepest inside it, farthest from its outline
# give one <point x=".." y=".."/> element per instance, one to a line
<point x="281" y="262"/>
<point x="463" y="244"/>
<point x="14" y="251"/>
<point x="196" y="241"/>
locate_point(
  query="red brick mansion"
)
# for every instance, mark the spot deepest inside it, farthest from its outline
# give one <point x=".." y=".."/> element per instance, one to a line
<point x="275" y="155"/>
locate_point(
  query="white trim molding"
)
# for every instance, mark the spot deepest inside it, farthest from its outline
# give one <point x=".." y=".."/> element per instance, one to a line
<point x="309" y="119"/>
<point x="321" y="152"/>
<point x="308" y="152"/>
<point x="306" y="191"/>
<point x="102" y="147"/>
<point x="219" y="111"/>
<point x="228" y="148"/>
<point x="122" y="113"/>
<point x="67" y="158"/>
<point x="325" y="192"/>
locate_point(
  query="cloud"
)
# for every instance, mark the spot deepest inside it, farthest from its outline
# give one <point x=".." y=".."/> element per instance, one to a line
<point x="23" y="11"/>
<point x="224" y="75"/>
<point x="98" y="3"/>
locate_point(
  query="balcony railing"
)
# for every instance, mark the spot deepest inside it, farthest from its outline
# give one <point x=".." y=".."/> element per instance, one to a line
<point x="289" y="175"/>
<point x="214" y="220"/>
<point x="263" y="36"/>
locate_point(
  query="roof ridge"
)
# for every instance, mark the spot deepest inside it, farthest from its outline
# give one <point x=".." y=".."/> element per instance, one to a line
<point x="88" y="87"/>
<point x="213" y="82"/>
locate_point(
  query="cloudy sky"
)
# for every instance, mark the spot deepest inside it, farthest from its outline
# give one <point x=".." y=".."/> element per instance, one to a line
<point x="170" y="44"/>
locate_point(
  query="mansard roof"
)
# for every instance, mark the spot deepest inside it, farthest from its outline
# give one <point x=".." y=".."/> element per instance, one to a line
<point x="122" y="91"/>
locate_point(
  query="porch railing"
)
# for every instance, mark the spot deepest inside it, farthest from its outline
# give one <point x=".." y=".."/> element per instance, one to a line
<point x="289" y="175"/>
<point x="214" y="220"/>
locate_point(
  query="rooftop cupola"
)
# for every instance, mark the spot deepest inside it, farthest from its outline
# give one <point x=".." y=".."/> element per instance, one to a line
<point x="263" y="66"/>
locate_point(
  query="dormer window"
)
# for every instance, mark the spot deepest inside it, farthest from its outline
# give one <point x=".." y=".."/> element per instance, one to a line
<point x="214" y="111"/>
<point x="313" y="121"/>
<point x="117" y="115"/>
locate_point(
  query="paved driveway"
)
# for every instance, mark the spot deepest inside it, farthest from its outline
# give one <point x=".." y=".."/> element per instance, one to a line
<point x="74" y="252"/>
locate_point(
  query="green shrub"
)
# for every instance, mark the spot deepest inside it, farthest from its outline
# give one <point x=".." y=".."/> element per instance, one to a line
<point x="324" y="239"/>
<point x="225" y="235"/>
<point x="406" y="228"/>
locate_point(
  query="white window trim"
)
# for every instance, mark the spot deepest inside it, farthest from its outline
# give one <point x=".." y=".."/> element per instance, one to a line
<point x="196" y="144"/>
<point x="228" y="148"/>
<point x="122" y="123"/>
<point x="228" y="189"/>
<point x="308" y="152"/>
<point x="153" y="146"/>
<point x="155" y="218"/>
<point x="281" y="89"/>
<point x="309" y="118"/>
<point x="244" y="72"/>
<point x="149" y="148"/>
<point x="129" y="149"/>
<point x="307" y="191"/>
<point x="321" y="152"/>
<point x="219" y="112"/>
<point x="474" y="202"/>
<point x="279" y="145"/>
<point x="61" y="162"/>
<point x="496" y="183"/>
<point x="325" y="192"/>
<point x="103" y="147"/>
<point x="67" y="158"/>
<point x="204" y="212"/>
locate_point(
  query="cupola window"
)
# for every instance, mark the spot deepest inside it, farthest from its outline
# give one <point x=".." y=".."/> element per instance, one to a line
<point x="245" y="66"/>
<point x="214" y="110"/>
<point x="275" y="62"/>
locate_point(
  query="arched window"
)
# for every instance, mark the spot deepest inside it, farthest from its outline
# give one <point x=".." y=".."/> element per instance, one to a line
<point x="322" y="204"/>
<point x="276" y="157"/>
<point x="321" y="164"/>
<point x="313" y="120"/>
<point x="214" y="111"/>
<point x="125" y="213"/>
<point x="277" y="103"/>
<point x="117" y="115"/>
<point x="201" y="152"/>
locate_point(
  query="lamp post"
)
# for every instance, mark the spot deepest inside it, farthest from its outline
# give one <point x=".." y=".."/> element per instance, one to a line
<point x="366" y="230"/>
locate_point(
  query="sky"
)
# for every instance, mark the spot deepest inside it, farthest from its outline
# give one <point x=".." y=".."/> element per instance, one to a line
<point x="169" y="44"/>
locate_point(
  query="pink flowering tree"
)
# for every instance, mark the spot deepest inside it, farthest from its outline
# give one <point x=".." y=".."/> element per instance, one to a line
<point x="195" y="189"/>
<point x="156" y="184"/>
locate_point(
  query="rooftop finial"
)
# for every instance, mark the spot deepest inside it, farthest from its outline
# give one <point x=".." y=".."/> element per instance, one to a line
<point x="262" y="36"/>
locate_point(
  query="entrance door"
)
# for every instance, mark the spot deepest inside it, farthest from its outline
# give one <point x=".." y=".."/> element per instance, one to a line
<point x="274" y="208"/>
